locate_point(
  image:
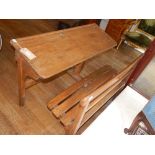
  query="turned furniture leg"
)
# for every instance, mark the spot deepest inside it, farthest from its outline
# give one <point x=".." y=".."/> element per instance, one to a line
<point x="134" y="124"/>
<point x="21" y="82"/>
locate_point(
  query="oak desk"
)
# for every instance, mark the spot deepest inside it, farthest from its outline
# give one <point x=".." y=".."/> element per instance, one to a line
<point x="45" y="55"/>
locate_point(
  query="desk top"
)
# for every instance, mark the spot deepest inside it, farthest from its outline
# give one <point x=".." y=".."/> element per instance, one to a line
<point x="53" y="52"/>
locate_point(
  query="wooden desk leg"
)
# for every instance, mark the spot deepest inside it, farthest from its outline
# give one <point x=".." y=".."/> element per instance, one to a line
<point x="76" y="72"/>
<point x="21" y="81"/>
<point x="24" y="71"/>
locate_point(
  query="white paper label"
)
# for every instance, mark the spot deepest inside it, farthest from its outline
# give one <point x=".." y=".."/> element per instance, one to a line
<point x="14" y="40"/>
<point x="27" y="53"/>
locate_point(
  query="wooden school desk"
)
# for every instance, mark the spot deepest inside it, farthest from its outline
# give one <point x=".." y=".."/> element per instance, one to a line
<point x="42" y="56"/>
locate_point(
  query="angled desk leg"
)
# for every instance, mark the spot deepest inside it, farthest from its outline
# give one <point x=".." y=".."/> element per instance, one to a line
<point x="76" y="72"/>
<point x="21" y="81"/>
<point x="24" y="72"/>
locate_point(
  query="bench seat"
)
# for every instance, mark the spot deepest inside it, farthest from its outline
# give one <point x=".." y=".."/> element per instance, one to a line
<point x="75" y="105"/>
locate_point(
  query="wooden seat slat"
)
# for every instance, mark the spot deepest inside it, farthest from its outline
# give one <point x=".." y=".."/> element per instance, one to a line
<point x="82" y="92"/>
<point x="92" y="111"/>
<point x="70" y="115"/>
<point x="83" y="101"/>
<point x="63" y="95"/>
<point x="98" y="98"/>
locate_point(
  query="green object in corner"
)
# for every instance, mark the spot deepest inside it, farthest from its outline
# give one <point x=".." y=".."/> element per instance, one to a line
<point x="138" y="39"/>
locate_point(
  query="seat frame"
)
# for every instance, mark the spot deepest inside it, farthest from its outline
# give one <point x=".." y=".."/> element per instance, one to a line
<point x="79" y="102"/>
<point x="139" y="118"/>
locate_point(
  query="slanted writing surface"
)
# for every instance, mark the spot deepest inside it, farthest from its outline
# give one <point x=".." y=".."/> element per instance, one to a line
<point x="57" y="51"/>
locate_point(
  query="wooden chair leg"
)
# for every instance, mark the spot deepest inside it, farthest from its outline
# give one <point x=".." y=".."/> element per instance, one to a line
<point x="21" y="82"/>
<point x="150" y="130"/>
<point x="120" y="42"/>
<point x="134" y="124"/>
